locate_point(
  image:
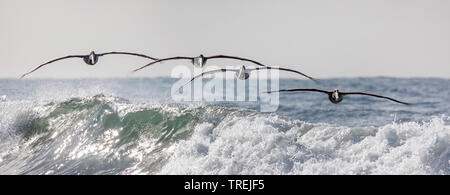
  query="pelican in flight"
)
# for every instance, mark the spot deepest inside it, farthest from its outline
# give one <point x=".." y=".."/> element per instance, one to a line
<point x="90" y="59"/>
<point x="200" y="61"/>
<point x="336" y="96"/>
<point x="244" y="73"/>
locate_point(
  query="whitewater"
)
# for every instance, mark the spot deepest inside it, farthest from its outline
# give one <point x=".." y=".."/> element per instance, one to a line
<point x="132" y="126"/>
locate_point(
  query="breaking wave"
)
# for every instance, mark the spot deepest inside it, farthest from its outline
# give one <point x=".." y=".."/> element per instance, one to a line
<point x="109" y="135"/>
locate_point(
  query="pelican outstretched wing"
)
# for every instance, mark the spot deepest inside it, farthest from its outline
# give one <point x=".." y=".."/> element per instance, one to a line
<point x="51" y="61"/>
<point x="300" y="89"/>
<point x="374" y="95"/>
<point x="284" y="69"/>
<point x="161" y="60"/>
<point x="236" y="58"/>
<point x="127" y="53"/>
<point x="207" y="72"/>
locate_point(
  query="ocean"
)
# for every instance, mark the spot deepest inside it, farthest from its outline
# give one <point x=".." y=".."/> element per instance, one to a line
<point x="133" y="126"/>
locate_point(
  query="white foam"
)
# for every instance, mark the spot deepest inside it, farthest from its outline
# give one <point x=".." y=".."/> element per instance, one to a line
<point x="255" y="145"/>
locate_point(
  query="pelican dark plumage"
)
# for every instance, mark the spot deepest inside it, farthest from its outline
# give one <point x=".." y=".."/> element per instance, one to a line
<point x="90" y="59"/>
<point x="336" y="96"/>
<point x="200" y="61"/>
<point x="244" y="73"/>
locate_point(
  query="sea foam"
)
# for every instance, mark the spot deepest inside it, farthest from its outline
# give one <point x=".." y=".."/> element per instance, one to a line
<point x="256" y="145"/>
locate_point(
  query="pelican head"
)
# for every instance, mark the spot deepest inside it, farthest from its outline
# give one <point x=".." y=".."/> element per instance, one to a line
<point x="242" y="74"/>
<point x="199" y="61"/>
<point x="335" y="97"/>
<point x="91" y="59"/>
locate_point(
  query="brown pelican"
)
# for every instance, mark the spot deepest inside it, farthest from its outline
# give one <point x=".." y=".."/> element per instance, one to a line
<point x="244" y="73"/>
<point x="335" y="96"/>
<point x="200" y="61"/>
<point x="90" y="59"/>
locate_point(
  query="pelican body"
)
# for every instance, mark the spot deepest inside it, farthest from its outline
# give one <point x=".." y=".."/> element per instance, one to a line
<point x="242" y="73"/>
<point x="91" y="59"/>
<point x="199" y="61"/>
<point x="335" y="97"/>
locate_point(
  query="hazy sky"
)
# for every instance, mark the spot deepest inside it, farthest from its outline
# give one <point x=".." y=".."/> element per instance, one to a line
<point x="323" y="38"/>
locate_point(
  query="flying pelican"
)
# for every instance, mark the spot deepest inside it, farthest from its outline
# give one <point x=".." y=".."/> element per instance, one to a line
<point x="244" y="73"/>
<point x="200" y="61"/>
<point x="90" y="59"/>
<point x="335" y="96"/>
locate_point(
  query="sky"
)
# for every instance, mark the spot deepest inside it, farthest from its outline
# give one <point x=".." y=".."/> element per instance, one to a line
<point x="322" y="38"/>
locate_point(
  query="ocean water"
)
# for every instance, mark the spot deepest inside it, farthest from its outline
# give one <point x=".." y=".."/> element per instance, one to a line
<point x="132" y="126"/>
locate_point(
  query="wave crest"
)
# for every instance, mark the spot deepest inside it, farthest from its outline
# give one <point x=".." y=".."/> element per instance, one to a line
<point x="110" y="135"/>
